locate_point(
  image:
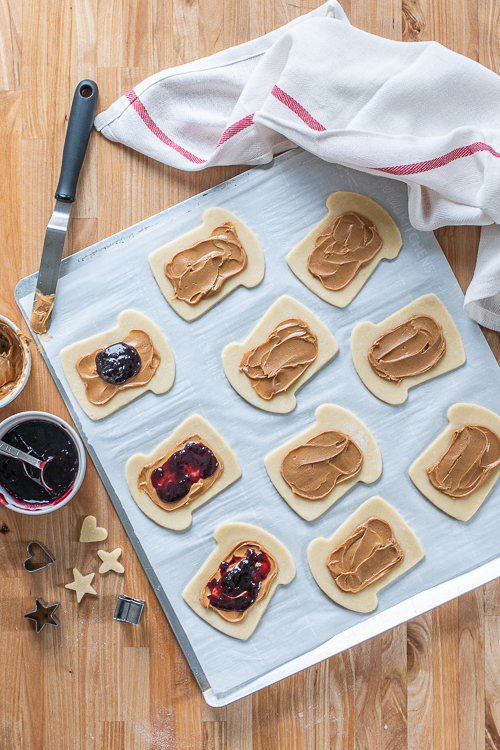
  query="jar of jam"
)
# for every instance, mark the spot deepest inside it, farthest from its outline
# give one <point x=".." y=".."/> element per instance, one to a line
<point x="47" y="438"/>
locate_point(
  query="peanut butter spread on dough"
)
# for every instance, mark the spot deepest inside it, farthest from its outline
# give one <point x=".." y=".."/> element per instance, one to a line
<point x="238" y="581"/>
<point x="42" y="310"/>
<point x="200" y="270"/>
<point x="411" y="348"/>
<point x="97" y="390"/>
<point x="312" y="470"/>
<point x="273" y="366"/>
<point x="344" y="247"/>
<point x="201" y="486"/>
<point x="366" y="555"/>
<point x="11" y="360"/>
<point x="474" y="452"/>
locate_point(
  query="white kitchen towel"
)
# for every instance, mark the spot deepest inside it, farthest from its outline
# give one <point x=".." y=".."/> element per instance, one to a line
<point x="414" y="112"/>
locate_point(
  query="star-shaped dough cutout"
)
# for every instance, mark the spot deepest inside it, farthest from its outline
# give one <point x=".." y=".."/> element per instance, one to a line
<point x="81" y="585"/>
<point x="110" y="561"/>
<point x="43" y="615"/>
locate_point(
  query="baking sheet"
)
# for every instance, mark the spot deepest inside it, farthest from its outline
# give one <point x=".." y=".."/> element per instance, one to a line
<point x="280" y="204"/>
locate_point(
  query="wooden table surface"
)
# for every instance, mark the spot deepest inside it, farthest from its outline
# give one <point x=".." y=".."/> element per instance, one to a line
<point x="95" y="683"/>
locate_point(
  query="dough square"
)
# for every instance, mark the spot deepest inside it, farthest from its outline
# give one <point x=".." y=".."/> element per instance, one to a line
<point x="364" y="334"/>
<point x="181" y="518"/>
<point x="285" y="307"/>
<point x="319" y="550"/>
<point x="465" y="507"/>
<point x="226" y="535"/>
<point x="338" y="204"/>
<point x="250" y="276"/>
<point x="328" y="417"/>
<point x="128" y="320"/>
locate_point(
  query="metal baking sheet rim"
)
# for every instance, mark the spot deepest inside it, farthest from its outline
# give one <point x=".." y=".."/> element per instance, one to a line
<point x="375" y="625"/>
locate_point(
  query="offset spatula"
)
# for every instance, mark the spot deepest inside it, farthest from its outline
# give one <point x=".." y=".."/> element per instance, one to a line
<point x="81" y="119"/>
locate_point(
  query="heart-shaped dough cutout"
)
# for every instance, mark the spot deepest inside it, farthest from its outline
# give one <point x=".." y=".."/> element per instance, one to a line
<point x="91" y="532"/>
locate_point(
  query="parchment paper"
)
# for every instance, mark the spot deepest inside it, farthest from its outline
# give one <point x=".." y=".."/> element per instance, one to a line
<point x="280" y="204"/>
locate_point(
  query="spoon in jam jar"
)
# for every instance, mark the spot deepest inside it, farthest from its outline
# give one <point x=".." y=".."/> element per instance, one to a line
<point x="26" y="458"/>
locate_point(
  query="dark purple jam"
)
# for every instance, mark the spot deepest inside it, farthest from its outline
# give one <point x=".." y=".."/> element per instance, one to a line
<point x="173" y="480"/>
<point x="43" y="440"/>
<point x="118" y="363"/>
<point x="239" y="581"/>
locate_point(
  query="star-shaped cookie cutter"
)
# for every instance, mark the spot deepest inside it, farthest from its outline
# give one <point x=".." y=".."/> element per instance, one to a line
<point x="33" y="567"/>
<point x="43" y="615"/>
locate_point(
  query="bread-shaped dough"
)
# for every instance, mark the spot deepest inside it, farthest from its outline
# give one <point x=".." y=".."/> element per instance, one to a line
<point x="320" y="549"/>
<point x="283" y="309"/>
<point x="128" y="320"/>
<point x="328" y="417"/>
<point x="364" y="334"/>
<point x="250" y="276"/>
<point x="461" y="508"/>
<point x="181" y="518"/>
<point x="226" y="536"/>
<point x="338" y="204"/>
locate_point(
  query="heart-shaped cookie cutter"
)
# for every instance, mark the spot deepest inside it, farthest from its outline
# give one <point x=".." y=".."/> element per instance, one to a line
<point x="33" y="567"/>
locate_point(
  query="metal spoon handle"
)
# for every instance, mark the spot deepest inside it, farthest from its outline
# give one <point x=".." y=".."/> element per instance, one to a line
<point x="8" y="450"/>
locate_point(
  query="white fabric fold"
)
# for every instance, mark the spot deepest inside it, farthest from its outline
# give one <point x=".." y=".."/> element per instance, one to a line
<point x="418" y="113"/>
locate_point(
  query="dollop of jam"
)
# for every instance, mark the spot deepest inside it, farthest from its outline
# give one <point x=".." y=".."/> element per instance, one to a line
<point x="273" y="366"/>
<point x="45" y="441"/>
<point x="473" y="453"/>
<point x="342" y="249"/>
<point x="118" y="363"/>
<point x="242" y="578"/>
<point x="313" y="469"/>
<point x="411" y="348"/>
<point x="239" y="582"/>
<point x="366" y="555"/>
<point x="173" y="480"/>
<point x="200" y="270"/>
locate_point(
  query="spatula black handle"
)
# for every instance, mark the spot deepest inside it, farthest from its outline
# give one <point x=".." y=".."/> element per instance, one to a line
<point x="81" y="119"/>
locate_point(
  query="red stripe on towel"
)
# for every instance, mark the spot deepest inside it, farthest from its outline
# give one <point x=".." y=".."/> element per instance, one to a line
<point x="237" y="127"/>
<point x="299" y="110"/>
<point x="440" y="161"/>
<point x="150" y="123"/>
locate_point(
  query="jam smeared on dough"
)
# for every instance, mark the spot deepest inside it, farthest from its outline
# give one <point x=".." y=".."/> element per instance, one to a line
<point x="242" y="578"/>
<point x="474" y="452"/>
<point x="11" y="360"/>
<point x="312" y="470"/>
<point x="411" y="348"/>
<point x="344" y="247"/>
<point x="97" y="390"/>
<point x="185" y="472"/>
<point x="118" y="363"/>
<point x="41" y="312"/>
<point x="200" y="270"/>
<point x="366" y="555"/>
<point x="273" y="366"/>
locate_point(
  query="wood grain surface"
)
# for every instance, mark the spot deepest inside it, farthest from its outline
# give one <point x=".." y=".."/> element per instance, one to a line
<point x="93" y="683"/>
